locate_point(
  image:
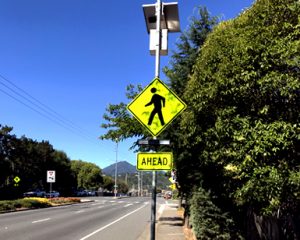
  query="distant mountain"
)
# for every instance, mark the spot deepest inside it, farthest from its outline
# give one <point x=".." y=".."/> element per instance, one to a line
<point x="123" y="167"/>
<point x="128" y="173"/>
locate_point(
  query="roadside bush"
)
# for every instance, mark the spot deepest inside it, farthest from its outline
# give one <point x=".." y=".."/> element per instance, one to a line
<point x="6" y="205"/>
<point x="17" y="203"/>
<point x="35" y="203"/>
<point x="9" y="205"/>
<point x="58" y="201"/>
<point x="207" y="220"/>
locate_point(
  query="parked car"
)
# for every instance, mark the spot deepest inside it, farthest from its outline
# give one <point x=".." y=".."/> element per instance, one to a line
<point x="168" y="195"/>
<point x="91" y="193"/>
<point x="35" y="193"/>
<point x="52" y="194"/>
<point x="84" y="193"/>
<point x="81" y="193"/>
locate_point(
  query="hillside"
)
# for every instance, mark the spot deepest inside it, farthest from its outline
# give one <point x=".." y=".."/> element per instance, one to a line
<point x="123" y="168"/>
<point x="128" y="173"/>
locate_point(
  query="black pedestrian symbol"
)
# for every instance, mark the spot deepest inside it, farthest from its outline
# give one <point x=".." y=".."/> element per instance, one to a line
<point x="158" y="102"/>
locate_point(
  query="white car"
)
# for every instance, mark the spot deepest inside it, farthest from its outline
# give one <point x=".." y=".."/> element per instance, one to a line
<point x="35" y="193"/>
<point x="52" y="194"/>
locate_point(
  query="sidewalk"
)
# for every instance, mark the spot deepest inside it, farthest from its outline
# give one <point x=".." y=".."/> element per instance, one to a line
<point x="169" y="225"/>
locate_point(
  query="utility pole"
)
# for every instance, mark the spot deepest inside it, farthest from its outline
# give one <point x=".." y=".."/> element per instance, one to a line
<point x="160" y="18"/>
<point x="116" y="170"/>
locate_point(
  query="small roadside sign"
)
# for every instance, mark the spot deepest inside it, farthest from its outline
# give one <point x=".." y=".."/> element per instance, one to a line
<point x="17" y="179"/>
<point x="156" y="107"/>
<point x="154" y="161"/>
<point x="50" y="176"/>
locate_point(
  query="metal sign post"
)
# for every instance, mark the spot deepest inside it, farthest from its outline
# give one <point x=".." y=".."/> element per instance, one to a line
<point x="153" y="207"/>
<point x="51" y="179"/>
<point x="161" y="18"/>
<point x="158" y="39"/>
<point x="157" y="71"/>
<point x="51" y="190"/>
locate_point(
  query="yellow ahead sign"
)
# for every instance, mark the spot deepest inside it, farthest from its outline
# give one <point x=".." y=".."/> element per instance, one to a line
<point x="156" y="106"/>
<point x="154" y="161"/>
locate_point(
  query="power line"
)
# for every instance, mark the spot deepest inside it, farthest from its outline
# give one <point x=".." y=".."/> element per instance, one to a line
<point x="38" y="112"/>
<point x="42" y="109"/>
<point x="42" y="106"/>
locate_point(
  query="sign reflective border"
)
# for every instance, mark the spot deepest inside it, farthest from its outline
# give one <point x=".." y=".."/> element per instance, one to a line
<point x="154" y="161"/>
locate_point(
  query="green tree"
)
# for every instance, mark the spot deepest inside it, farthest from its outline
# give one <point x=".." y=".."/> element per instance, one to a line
<point x="119" y="122"/>
<point x="188" y="48"/>
<point x="108" y="183"/>
<point x="6" y="161"/>
<point x="122" y="187"/>
<point x="30" y="160"/>
<point x="65" y="179"/>
<point x="179" y="73"/>
<point x="88" y="175"/>
<point x="242" y="125"/>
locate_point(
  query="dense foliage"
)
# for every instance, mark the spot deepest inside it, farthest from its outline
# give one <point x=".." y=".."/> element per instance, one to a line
<point x="208" y="220"/>
<point x="34" y="202"/>
<point x="242" y="127"/>
<point x="30" y="160"/>
<point x="244" y="104"/>
<point x="179" y="73"/>
<point x="88" y="175"/>
<point x="11" y="205"/>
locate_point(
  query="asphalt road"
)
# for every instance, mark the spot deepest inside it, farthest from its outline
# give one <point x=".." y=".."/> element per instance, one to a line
<point x="103" y="219"/>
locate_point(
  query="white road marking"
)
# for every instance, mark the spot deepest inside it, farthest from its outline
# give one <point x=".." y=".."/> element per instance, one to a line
<point x="161" y="209"/>
<point x="106" y="226"/>
<point x="101" y="207"/>
<point x="41" y="220"/>
<point x="94" y="204"/>
<point x="127" y="205"/>
<point x="80" y="211"/>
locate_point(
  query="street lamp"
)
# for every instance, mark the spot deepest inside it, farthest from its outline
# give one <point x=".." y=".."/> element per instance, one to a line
<point x="116" y="168"/>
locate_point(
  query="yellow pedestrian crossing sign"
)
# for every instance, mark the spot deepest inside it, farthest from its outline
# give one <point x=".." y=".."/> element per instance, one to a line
<point x="156" y="107"/>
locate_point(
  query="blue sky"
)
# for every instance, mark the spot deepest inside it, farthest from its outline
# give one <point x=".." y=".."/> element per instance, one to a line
<point x="75" y="57"/>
